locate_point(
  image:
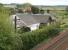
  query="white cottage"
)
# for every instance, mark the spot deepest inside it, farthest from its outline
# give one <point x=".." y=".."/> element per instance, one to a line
<point x="30" y="20"/>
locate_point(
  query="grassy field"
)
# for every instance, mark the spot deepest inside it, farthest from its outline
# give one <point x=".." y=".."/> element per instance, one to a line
<point x="62" y="17"/>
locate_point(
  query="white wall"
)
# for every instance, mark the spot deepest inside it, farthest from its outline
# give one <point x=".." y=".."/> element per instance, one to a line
<point x="34" y="26"/>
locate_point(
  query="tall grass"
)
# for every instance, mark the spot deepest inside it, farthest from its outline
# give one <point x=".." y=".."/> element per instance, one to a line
<point x="8" y="39"/>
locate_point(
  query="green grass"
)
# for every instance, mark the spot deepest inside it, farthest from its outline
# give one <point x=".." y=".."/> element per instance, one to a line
<point x="62" y="17"/>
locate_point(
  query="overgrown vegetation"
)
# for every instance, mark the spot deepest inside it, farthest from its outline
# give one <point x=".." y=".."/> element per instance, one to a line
<point x="30" y="39"/>
<point x="10" y="40"/>
<point x="23" y="29"/>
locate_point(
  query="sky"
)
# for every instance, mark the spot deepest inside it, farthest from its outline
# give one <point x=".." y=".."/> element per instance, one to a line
<point x="37" y="2"/>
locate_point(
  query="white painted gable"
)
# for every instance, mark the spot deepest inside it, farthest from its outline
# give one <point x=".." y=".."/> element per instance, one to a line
<point x="34" y="26"/>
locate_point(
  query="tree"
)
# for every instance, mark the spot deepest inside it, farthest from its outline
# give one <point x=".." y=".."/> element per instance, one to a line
<point x="66" y="10"/>
<point x="20" y="11"/>
<point x="50" y="19"/>
<point x="1" y="5"/>
<point x="48" y="11"/>
<point x="35" y="10"/>
<point x="42" y="11"/>
<point x="18" y="5"/>
<point x="26" y="5"/>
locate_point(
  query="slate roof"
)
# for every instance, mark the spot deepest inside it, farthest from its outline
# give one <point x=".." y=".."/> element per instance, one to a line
<point x="30" y="19"/>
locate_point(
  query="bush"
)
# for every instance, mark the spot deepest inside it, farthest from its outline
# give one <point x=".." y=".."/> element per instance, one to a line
<point x="8" y="39"/>
<point x="30" y="39"/>
<point x="35" y="10"/>
<point x="24" y="29"/>
<point x="42" y="25"/>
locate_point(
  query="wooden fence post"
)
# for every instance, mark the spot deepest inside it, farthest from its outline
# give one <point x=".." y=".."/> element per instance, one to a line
<point x="15" y="23"/>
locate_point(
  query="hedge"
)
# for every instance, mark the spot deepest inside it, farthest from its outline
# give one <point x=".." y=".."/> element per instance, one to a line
<point x="30" y="39"/>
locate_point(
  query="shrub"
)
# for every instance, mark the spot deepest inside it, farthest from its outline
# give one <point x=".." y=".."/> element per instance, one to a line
<point x="30" y="39"/>
<point x="42" y="25"/>
<point x="24" y="29"/>
<point x="8" y="39"/>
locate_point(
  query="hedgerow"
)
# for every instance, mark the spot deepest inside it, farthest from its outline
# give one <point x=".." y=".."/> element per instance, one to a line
<point x="30" y="39"/>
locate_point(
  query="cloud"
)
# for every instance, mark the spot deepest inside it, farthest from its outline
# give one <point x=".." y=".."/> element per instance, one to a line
<point x="49" y="2"/>
<point x="12" y="1"/>
<point x="38" y="2"/>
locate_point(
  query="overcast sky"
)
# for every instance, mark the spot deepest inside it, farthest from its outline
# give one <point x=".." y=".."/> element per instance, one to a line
<point x="38" y="2"/>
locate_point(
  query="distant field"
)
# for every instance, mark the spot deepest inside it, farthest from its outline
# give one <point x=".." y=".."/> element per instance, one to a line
<point x="62" y="17"/>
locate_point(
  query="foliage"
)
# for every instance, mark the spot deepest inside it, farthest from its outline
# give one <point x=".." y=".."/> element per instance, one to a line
<point x="25" y="5"/>
<point x="42" y="11"/>
<point x="8" y="39"/>
<point x="48" y="11"/>
<point x="1" y="5"/>
<point x="19" y="6"/>
<point x="20" y="11"/>
<point x="42" y="25"/>
<point x="12" y="11"/>
<point x="35" y="10"/>
<point x="24" y="29"/>
<point x="30" y="39"/>
<point x="66" y="11"/>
